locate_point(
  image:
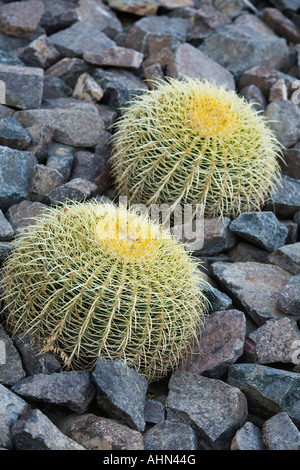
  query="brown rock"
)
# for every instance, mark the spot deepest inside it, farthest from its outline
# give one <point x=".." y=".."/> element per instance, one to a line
<point x="272" y="342"/>
<point x="221" y="343"/>
<point x="281" y="25"/>
<point x="115" y="56"/>
<point x="278" y="91"/>
<point x="204" y="22"/>
<point x="68" y="69"/>
<point x="137" y="7"/>
<point x="87" y="89"/>
<point x="40" y="53"/>
<point x="20" y="19"/>
<point x="264" y="78"/>
<point x="24" y="213"/>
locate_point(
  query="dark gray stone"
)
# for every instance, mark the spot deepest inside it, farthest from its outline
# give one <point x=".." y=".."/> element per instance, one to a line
<point x="170" y="435"/>
<point x="216" y="236"/>
<point x="254" y="96"/>
<point x="99" y="16"/>
<point x="59" y="14"/>
<point x="40" y="53"/>
<point x="287" y="257"/>
<point x="71" y="389"/>
<point x="35" y="431"/>
<point x="280" y="433"/>
<point x="33" y="359"/>
<point x="11" y="369"/>
<point x="44" y="180"/>
<point x="246" y="252"/>
<point x="54" y="87"/>
<point x="288" y="300"/>
<point x="21" y="19"/>
<point x="290" y="165"/>
<point x="249" y="437"/>
<point x="214" y="409"/>
<point x="41" y="135"/>
<point x="6" y="230"/>
<point x="60" y="157"/>
<point x="121" y="392"/>
<point x="5" y="250"/>
<point x="254" y="287"/>
<point x="285" y="4"/>
<point x="154" y="411"/>
<point x="88" y="165"/>
<point x="217" y="300"/>
<point x="13" y="135"/>
<point x="11" y="407"/>
<point x="16" y="169"/>
<point x="285" y="198"/>
<point x="77" y="189"/>
<point x="260" y="228"/>
<point x="24" y="214"/>
<point x="284" y="117"/>
<point x="68" y="69"/>
<point x="10" y="59"/>
<point x="246" y="43"/>
<point x="23" y="86"/>
<point x="268" y="390"/>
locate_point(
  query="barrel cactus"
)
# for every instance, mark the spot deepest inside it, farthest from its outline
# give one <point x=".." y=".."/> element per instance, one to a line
<point x="92" y="279"/>
<point x="192" y="142"/>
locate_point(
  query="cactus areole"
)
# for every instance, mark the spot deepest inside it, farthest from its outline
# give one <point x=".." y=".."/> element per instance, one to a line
<point x="192" y="142"/>
<point x="92" y="279"/>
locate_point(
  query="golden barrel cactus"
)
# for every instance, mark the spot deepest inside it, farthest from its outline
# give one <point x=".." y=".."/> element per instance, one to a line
<point x="192" y="142"/>
<point x="92" y="279"/>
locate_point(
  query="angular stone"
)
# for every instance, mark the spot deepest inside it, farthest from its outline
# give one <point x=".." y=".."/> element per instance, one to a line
<point x="214" y="409"/>
<point x="40" y="53"/>
<point x="175" y="4"/>
<point x="245" y="252"/>
<point x="264" y="78"/>
<point x="280" y="433"/>
<point x="72" y="389"/>
<point x="190" y="61"/>
<point x="115" y="56"/>
<point x="254" y="287"/>
<point x="54" y="88"/>
<point x="217" y="236"/>
<point x="21" y="19"/>
<point x="16" y="169"/>
<point x="137" y="7"/>
<point x="154" y="411"/>
<point x="11" y="407"/>
<point x="98" y="15"/>
<point x="23" y="86"/>
<point x="278" y="91"/>
<point x="5" y="250"/>
<point x="169" y="435"/>
<point x="249" y="437"/>
<point x="33" y="359"/>
<point x="287" y="257"/>
<point x="268" y="390"/>
<point x="35" y="431"/>
<point x="121" y="392"/>
<point x="281" y="25"/>
<point x="13" y="135"/>
<point x="260" y="228"/>
<point x="41" y="135"/>
<point x="285" y="198"/>
<point x="254" y="96"/>
<point x="44" y="180"/>
<point x="59" y="14"/>
<point x="144" y="30"/>
<point x="285" y="4"/>
<point x="87" y="89"/>
<point x="272" y="342"/>
<point x="284" y="117"/>
<point x="221" y="344"/>
<point x="68" y="69"/>
<point x="288" y="300"/>
<point x="244" y="44"/>
<point x="10" y="59"/>
<point x="6" y="230"/>
<point x="217" y="300"/>
<point x="60" y="157"/>
<point x="292" y="232"/>
<point x="11" y="370"/>
<point x="205" y="21"/>
<point x="290" y="165"/>
<point x="78" y="125"/>
<point x="99" y="433"/>
<point x="78" y="189"/>
<point x="88" y="165"/>
<point x="24" y="213"/>
<point x="105" y="180"/>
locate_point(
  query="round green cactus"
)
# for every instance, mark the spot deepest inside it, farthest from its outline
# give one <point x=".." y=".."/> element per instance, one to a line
<point x="192" y="142"/>
<point x="92" y="279"/>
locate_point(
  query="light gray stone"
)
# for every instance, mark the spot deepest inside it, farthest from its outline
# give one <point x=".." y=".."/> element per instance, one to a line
<point x="11" y="369"/>
<point x="285" y="198"/>
<point x="6" y="230"/>
<point x="23" y="86"/>
<point x="169" y="435"/>
<point x="287" y="257"/>
<point x="288" y="300"/>
<point x="11" y="407"/>
<point x="280" y="433"/>
<point x="249" y="437"/>
<point x="284" y="120"/>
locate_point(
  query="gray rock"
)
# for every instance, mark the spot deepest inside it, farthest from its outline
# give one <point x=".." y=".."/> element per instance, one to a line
<point x="285" y="198"/>
<point x="115" y="56"/>
<point x="35" y="431"/>
<point x="265" y="78"/>
<point x="260" y="228"/>
<point x="217" y="300"/>
<point x="11" y="407"/>
<point x="170" y="435"/>
<point x="23" y="86"/>
<point x="60" y="157"/>
<point x="11" y="369"/>
<point x="35" y="361"/>
<point x="245" y="252"/>
<point x="205" y="21"/>
<point x="59" y="14"/>
<point x="154" y="411"/>
<point x="280" y="433"/>
<point x="121" y="392"/>
<point x="214" y="409"/>
<point x="5" y="250"/>
<point x="292" y="232"/>
<point x="254" y="96"/>
<point x="71" y="389"/>
<point x="16" y="169"/>
<point x="290" y="165"/>
<point x="88" y="165"/>
<point x="221" y="343"/>
<point x="99" y="16"/>
<point x="10" y="59"/>
<point x="41" y="135"/>
<point x="21" y="19"/>
<point x="254" y="287"/>
<point x="44" y="179"/>
<point x="54" y="88"/>
<point x="6" y="230"/>
<point x="68" y="69"/>
<point x="78" y="189"/>
<point x="288" y="300"/>
<point x="285" y="4"/>
<point x="40" y="53"/>
<point x="284" y="120"/>
<point x="78" y="124"/>
<point x="268" y="390"/>
<point x="272" y="342"/>
<point x="189" y="61"/>
<point x="136" y="7"/>
<point x="99" y="433"/>
<point x="246" y="43"/>
<point x="87" y="89"/>
<point x="13" y="135"/>
<point x="249" y="437"/>
<point x="24" y="214"/>
<point x="296" y="218"/>
<point x="287" y="257"/>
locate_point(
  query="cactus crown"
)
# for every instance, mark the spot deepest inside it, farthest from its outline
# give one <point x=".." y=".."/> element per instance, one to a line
<point x="85" y="292"/>
<point x="191" y="142"/>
